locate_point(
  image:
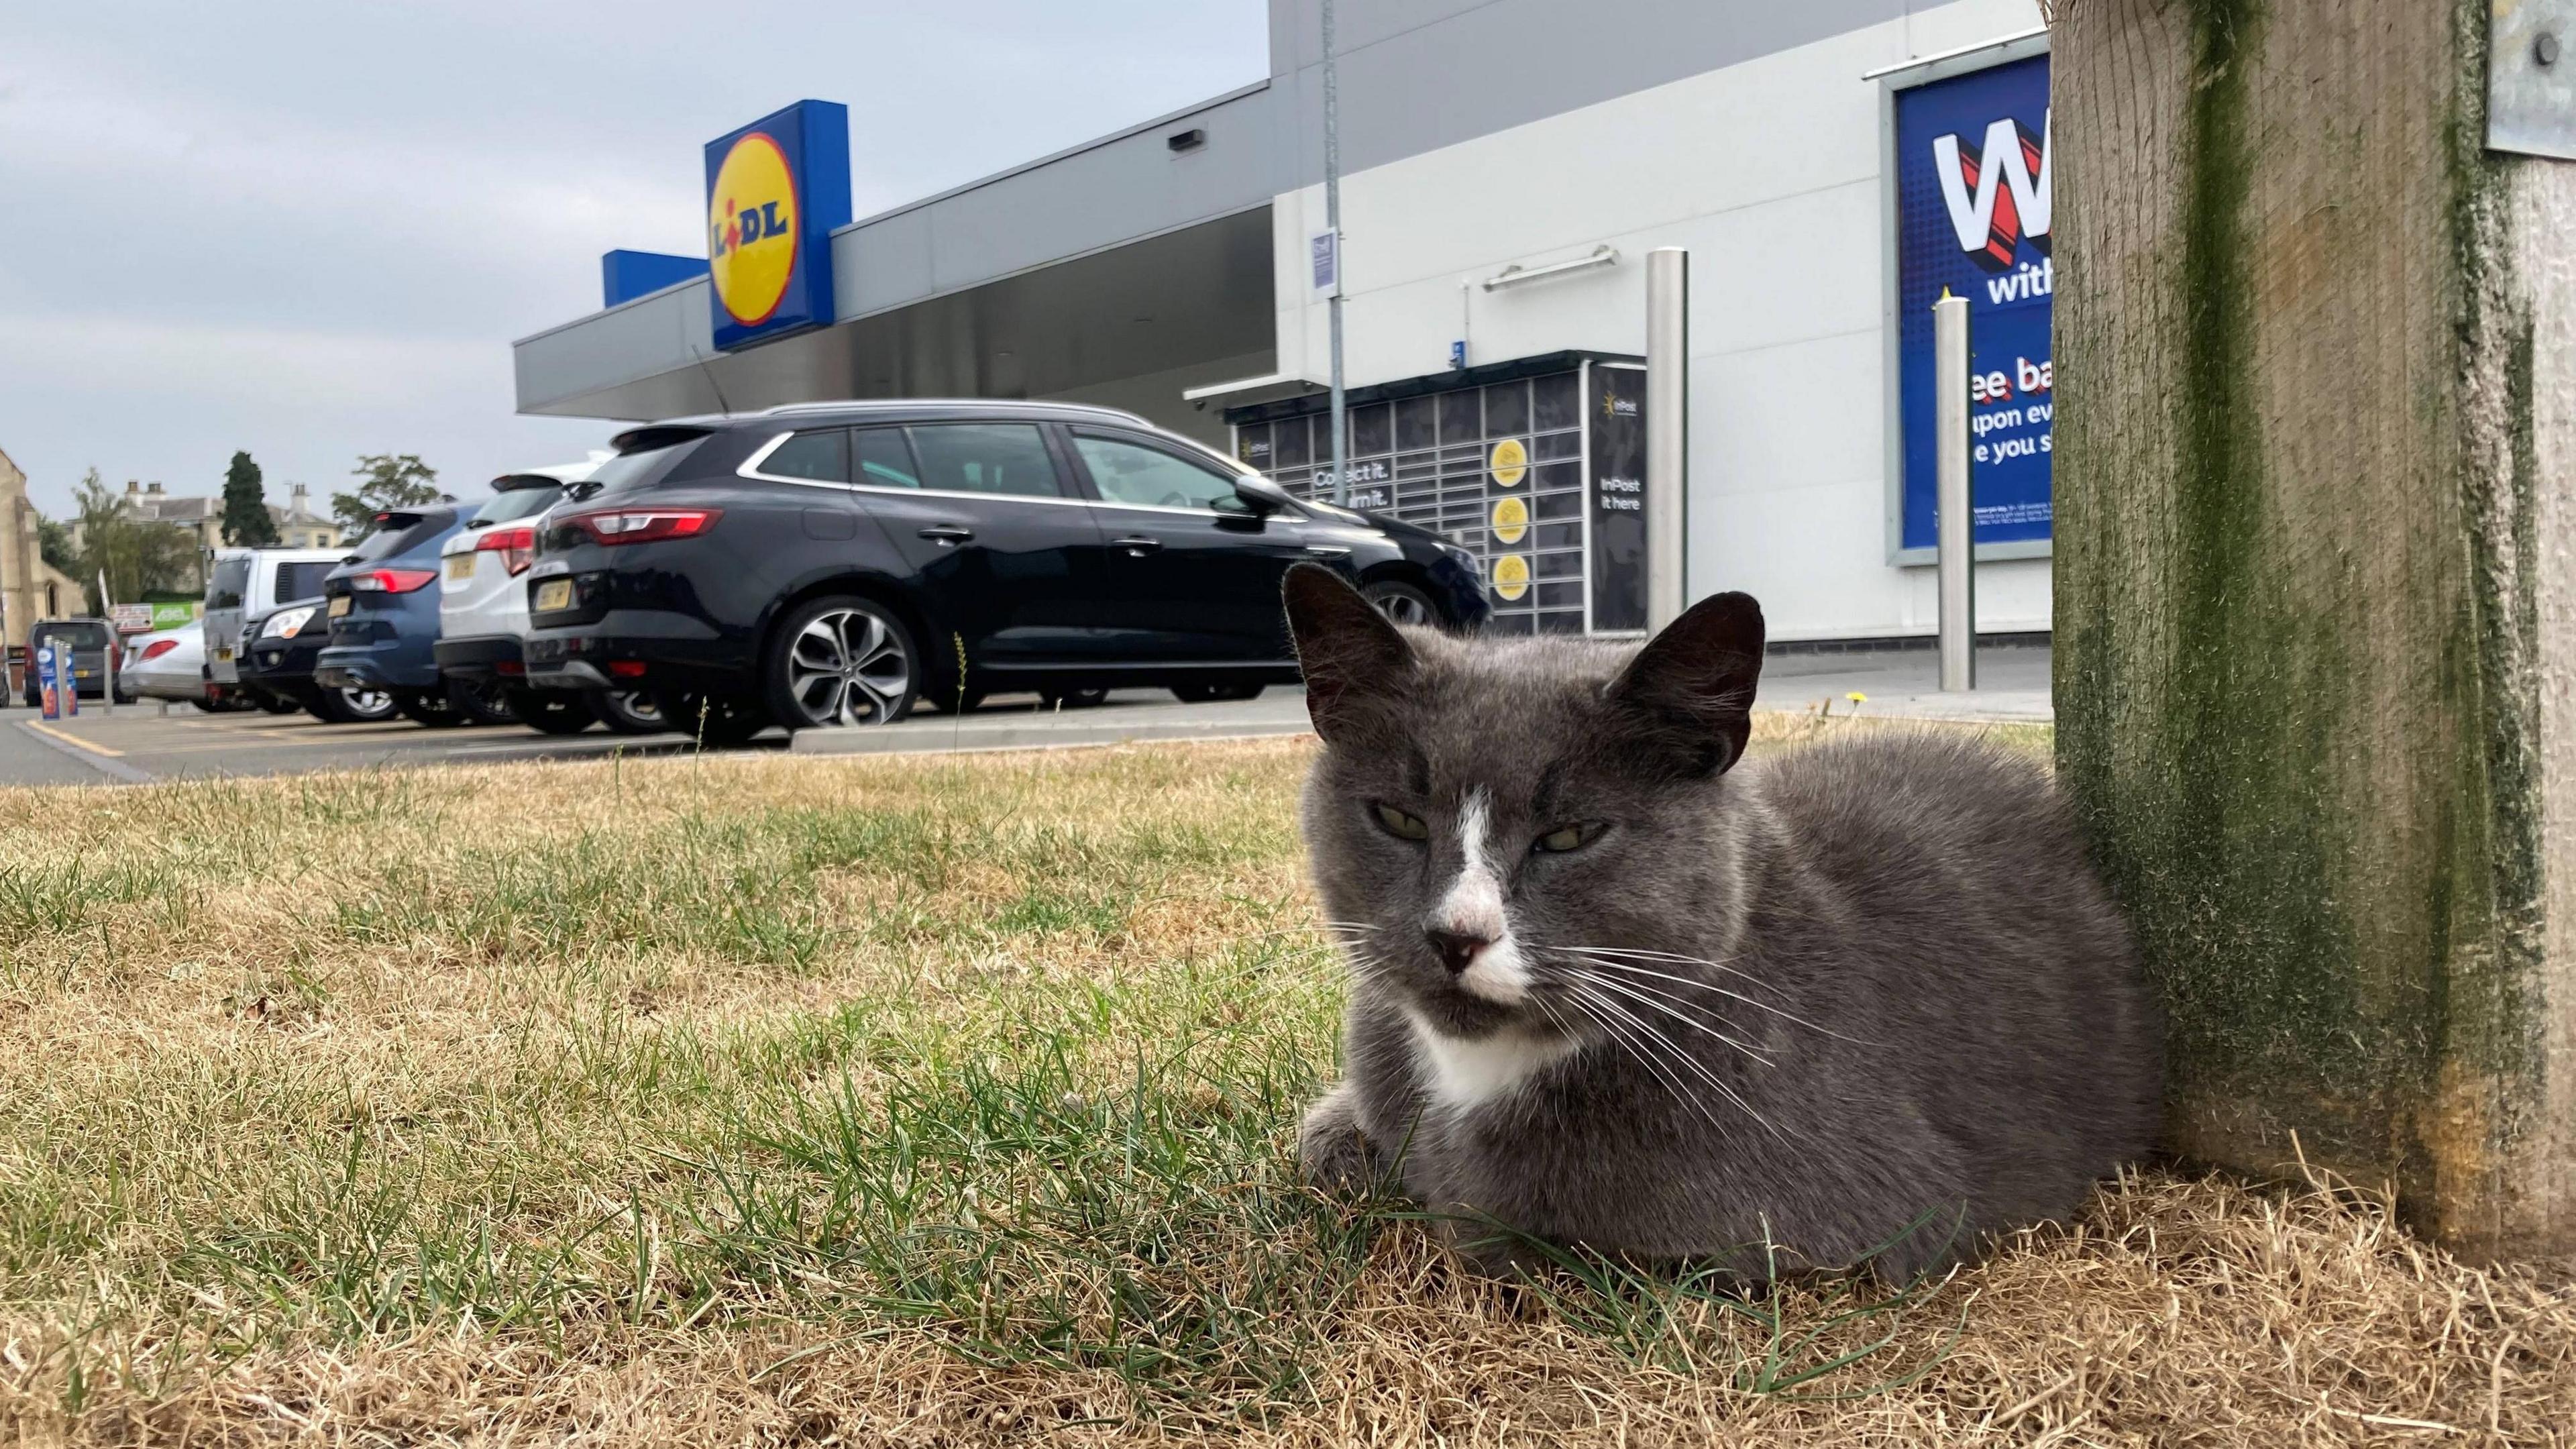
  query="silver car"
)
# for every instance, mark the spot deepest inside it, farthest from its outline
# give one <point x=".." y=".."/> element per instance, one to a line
<point x="483" y="610"/>
<point x="171" y="664"/>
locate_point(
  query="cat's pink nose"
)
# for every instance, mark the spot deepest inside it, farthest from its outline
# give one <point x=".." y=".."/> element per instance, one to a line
<point x="1457" y="950"/>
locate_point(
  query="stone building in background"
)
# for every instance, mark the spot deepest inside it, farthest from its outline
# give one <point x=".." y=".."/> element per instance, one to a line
<point x="30" y="588"/>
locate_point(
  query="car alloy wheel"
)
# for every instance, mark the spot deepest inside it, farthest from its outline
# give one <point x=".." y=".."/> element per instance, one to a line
<point x="842" y="661"/>
<point x="629" y="712"/>
<point x="365" y="706"/>
<point x="1402" y="603"/>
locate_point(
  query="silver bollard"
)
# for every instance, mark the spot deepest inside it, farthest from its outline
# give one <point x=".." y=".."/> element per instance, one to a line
<point x="1954" y="522"/>
<point x="1667" y="432"/>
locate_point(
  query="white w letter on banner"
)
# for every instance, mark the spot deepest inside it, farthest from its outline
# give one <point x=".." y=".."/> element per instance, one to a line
<point x="1997" y="197"/>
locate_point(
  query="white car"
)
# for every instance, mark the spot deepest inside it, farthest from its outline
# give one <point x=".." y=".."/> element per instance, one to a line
<point x="483" y="609"/>
<point x="243" y="584"/>
<point x="171" y="664"/>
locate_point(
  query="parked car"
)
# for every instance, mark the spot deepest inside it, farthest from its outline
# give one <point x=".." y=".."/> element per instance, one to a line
<point x="383" y="610"/>
<point x="170" y="664"/>
<point x="278" y="665"/>
<point x="96" y="658"/>
<point x="247" y="583"/>
<point x="483" y="610"/>
<point x="832" y="564"/>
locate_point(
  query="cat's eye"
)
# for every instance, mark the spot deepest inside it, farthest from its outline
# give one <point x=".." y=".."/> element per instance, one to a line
<point x="1401" y="825"/>
<point x="1564" y="838"/>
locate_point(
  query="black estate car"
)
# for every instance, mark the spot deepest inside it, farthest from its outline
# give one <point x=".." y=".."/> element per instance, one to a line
<point x="830" y="564"/>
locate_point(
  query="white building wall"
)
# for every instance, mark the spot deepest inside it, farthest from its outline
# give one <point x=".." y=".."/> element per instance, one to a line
<point x="1769" y="172"/>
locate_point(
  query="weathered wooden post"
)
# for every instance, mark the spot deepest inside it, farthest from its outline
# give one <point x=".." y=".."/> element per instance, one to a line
<point x="2316" y="580"/>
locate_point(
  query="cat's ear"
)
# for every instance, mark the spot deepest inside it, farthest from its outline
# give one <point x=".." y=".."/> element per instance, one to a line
<point x="1689" y="693"/>
<point x="1353" y="659"/>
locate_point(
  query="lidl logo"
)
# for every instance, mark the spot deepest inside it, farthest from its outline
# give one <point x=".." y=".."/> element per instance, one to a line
<point x="775" y="191"/>
<point x="751" y="229"/>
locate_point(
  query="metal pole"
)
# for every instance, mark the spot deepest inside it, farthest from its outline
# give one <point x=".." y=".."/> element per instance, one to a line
<point x="1667" y="431"/>
<point x="1954" y="527"/>
<point x="1333" y="220"/>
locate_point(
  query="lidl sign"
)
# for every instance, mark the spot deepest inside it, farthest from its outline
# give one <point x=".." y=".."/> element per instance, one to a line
<point x="776" y="189"/>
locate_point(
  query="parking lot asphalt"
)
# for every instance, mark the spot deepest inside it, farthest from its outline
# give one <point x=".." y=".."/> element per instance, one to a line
<point x="143" y="742"/>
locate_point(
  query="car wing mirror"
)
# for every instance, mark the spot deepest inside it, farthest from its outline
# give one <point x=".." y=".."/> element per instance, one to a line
<point x="1261" y="495"/>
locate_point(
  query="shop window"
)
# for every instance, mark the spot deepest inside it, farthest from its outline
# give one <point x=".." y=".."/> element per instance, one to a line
<point x="1417" y="424"/>
<point x="1288" y="444"/>
<point x="1462" y="417"/>
<point x="1372" y="430"/>
<point x="1556" y="402"/>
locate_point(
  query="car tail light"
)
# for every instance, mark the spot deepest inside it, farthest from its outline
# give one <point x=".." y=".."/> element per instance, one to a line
<point x="156" y="649"/>
<point x="516" y="546"/>
<point x="644" y="525"/>
<point x="391" y="581"/>
<point x="626" y="668"/>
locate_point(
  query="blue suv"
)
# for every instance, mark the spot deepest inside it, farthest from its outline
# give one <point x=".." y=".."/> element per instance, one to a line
<point x="383" y="605"/>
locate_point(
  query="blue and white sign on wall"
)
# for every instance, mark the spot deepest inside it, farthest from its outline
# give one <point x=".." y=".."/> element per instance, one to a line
<point x="776" y="189"/>
<point x="1972" y="220"/>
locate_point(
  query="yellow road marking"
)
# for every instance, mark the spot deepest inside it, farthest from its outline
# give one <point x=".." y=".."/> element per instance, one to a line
<point x="75" y="741"/>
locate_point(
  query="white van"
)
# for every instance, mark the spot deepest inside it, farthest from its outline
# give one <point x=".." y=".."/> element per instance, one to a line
<point x="245" y="583"/>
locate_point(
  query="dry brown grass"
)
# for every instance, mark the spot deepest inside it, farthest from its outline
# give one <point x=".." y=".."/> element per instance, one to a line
<point x="510" y="1105"/>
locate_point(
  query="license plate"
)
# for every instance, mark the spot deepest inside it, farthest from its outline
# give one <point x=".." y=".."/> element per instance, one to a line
<point x="223" y="656"/>
<point x="460" y="567"/>
<point x="341" y="603"/>
<point x="555" y="594"/>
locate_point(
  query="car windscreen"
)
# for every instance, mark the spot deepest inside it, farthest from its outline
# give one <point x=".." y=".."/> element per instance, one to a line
<point x="79" y="636"/>
<point x="397" y="533"/>
<point x="302" y="580"/>
<point x="225" y="584"/>
<point x="644" y="455"/>
<point x="514" y="505"/>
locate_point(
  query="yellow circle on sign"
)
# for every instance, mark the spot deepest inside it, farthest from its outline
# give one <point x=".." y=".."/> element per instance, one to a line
<point x="1511" y="576"/>
<point x="1511" y="519"/>
<point x="1510" y="463"/>
<point x="751" y="229"/>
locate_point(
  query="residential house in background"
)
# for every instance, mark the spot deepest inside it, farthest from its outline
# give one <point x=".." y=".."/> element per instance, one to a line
<point x="298" y="526"/>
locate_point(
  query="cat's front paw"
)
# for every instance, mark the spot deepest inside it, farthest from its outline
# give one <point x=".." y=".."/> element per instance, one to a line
<point x="1332" y="1152"/>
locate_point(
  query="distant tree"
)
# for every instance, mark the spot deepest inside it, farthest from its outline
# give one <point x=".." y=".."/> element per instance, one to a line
<point x="135" y="554"/>
<point x="54" y="541"/>
<point x="386" y="480"/>
<point x="246" y="521"/>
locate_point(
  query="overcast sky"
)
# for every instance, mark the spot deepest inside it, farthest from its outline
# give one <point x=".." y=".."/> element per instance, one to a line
<point x="312" y="228"/>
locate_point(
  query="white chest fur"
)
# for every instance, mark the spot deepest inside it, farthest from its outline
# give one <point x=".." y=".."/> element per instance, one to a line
<point x="1459" y="1072"/>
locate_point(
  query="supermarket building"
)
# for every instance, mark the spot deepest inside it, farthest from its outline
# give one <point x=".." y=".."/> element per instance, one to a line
<point x="1506" y="166"/>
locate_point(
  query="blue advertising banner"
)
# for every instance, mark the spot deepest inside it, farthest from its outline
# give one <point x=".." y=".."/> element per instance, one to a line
<point x="1972" y="220"/>
<point x="775" y="191"/>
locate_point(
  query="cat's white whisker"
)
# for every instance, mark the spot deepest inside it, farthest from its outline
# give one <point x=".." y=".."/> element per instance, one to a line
<point x="1675" y="958"/>
<point x="1577" y="998"/>
<point x="1698" y="1067"/>
<point x="1672" y="1006"/>
<point x="1720" y="990"/>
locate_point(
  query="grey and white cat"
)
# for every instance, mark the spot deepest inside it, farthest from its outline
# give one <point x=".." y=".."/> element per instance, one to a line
<point x="1611" y="989"/>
